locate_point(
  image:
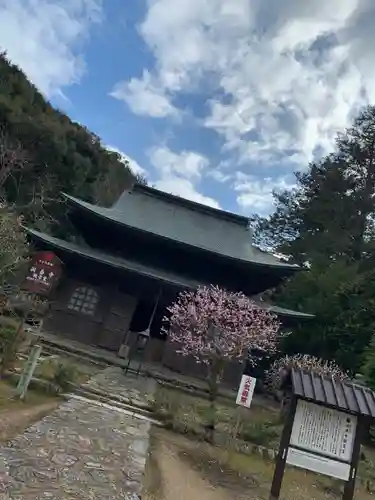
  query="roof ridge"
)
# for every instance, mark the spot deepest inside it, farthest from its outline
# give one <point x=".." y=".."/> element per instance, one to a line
<point x="194" y="205"/>
<point x="232" y="242"/>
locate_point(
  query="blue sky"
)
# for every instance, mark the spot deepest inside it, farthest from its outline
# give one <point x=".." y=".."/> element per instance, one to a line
<point x="218" y="101"/>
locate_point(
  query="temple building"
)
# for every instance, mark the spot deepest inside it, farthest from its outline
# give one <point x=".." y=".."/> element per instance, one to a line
<point x="133" y="258"/>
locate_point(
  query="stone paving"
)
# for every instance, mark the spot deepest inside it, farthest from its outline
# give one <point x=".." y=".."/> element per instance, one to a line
<point x="81" y="451"/>
<point x="135" y="390"/>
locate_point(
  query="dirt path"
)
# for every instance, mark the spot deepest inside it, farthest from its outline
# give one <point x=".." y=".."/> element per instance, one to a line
<point x="181" y="482"/>
<point x="15" y="420"/>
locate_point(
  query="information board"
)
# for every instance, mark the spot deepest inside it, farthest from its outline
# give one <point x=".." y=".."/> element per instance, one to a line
<point x="319" y="464"/>
<point x="325" y="431"/>
<point x="246" y="391"/>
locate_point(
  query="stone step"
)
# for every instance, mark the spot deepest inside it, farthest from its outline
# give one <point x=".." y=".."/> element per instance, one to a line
<point x="172" y="381"/>
<point x="133" y="411"/>
<point x="113" y="400"/>
<point x="62" y="350"/>
<point x="95" y="389"/>
<point x="88" y="355"/>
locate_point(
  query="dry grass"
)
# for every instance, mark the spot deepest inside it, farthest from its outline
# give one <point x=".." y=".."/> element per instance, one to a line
<point x="231" y="474"/>
<point x="259" y="425"/>
<point x="80" y="372"/>
<point x="16" y="415"/>
<point x="33" y="398"/>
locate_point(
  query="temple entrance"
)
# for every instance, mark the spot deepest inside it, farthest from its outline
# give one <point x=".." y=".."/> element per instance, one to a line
<point x="146" y="328"/>
<point x="144" y="317"/>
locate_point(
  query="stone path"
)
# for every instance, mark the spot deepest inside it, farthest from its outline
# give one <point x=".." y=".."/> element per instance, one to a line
<point x="81" y="451"/>
<point x="135" y="390"/>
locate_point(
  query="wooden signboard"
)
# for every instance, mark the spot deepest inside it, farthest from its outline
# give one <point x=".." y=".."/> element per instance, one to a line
<point x="322" y="440"/>
<point x="323" y="436"/>
<point x="44" y="273"/>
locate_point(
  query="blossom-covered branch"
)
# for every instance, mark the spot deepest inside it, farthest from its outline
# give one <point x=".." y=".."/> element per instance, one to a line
<point x="213" y="323"/>
<point x="302" y="362"/>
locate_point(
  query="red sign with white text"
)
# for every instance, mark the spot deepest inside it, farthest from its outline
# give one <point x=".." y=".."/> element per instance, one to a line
<point x="43" y="274"/>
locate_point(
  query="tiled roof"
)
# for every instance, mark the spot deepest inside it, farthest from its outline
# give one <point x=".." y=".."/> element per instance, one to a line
<point x="141" y="269"/>
<point x="169" y="217"/>
<point x="113" y="261"/>
<point x="333" y="392"/>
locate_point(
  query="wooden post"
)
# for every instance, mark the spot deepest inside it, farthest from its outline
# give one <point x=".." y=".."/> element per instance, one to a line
<point x="283" y="450"/>
<point x="28" y="371"/>
<point x="350" y="484"/>
<point x="237" y="425"/>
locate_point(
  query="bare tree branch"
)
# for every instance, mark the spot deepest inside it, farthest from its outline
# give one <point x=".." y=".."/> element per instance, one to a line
<point x="12" y="156"/>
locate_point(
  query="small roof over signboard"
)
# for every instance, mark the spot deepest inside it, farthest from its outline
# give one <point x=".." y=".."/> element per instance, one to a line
<point x="329" y="391"/>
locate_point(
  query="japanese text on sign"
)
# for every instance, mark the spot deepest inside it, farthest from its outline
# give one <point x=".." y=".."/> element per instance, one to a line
<point x="246" y="391"/>
<point x="44" y="272"/>
<point x="323" y="430"/>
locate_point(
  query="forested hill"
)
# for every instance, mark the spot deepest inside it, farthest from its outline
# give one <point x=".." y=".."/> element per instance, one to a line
<point x="43" y="152"/>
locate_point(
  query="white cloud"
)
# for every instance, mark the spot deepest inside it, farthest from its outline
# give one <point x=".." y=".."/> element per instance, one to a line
<point x="186" y="189"/>
<point x="179" y="173"/>
<point x="219" y="176"/>
<point x="43" y="37"/>
<point x="292" y="71"/>
<point x="144" y="97"/>
<point x="186" y="164"/>
<point x="124" y="158"/>
<point x="254" y="194"/>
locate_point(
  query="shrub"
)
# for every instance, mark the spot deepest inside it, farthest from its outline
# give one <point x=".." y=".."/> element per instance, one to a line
<point x="64" y="374"/>
<point x="261" y="433"/>
<point x="302" y="362"/>
<point x="368" y="369"/>
<point x="11" y="338"/>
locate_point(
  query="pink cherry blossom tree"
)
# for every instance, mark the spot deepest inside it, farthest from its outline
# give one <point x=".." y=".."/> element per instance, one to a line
<point x="215" y="326"/>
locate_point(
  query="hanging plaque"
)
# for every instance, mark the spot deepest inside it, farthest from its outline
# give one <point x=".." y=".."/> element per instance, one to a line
<point x="44" y="273"/>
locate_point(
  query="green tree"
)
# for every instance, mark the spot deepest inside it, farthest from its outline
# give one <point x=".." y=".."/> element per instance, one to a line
<point x="342" y="298"/>
<point x="330" y="214"/>
<point x="369" y="364"/>
<point x="327" y="221"/>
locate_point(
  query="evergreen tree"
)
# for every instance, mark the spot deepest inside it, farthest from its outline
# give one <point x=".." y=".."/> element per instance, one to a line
<point x="328" y="222"/>
<point x="330" y="215"/>
<point x="342" y="298"/>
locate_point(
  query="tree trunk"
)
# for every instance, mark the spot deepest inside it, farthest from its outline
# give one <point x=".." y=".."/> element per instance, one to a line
<point x="214" y="375"/>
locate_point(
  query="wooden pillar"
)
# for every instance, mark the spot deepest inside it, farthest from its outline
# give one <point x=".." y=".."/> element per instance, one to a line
<point x="283" y="451"/>
<point x="349" y="486"/>
<point x="157" y="300"/>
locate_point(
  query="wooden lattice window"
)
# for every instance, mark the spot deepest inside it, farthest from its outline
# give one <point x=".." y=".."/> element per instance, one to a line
<point x="84" y="300"/>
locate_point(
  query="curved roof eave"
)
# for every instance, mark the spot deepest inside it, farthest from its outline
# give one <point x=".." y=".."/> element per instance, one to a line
<point x="112" y="261"/>
<point x="102" y="213"/>
<point x="282" y="311"/>
<point x="156" y="274"/>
